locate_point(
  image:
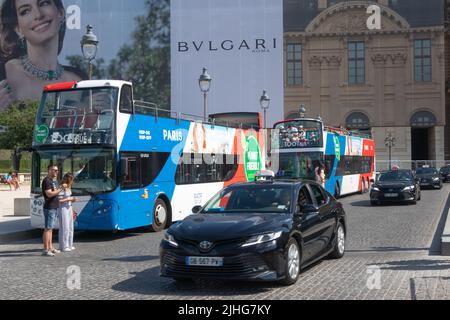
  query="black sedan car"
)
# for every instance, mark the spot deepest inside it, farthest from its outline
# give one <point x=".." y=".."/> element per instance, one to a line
<point x="396" y="185"/>
<point x="445" y="173"/>
<point x="258" y="231"/>
<point x="429" y="178"/>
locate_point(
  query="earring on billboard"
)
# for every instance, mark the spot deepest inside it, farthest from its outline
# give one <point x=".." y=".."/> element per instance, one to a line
<point x="23" y="43"/>
<point x="62" y="25"/>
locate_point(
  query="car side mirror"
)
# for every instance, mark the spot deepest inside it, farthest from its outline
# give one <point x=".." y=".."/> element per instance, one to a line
<point x="196" y="209"/>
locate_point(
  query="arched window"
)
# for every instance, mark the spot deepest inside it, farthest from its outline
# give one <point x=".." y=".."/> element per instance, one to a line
<point x="423" y="119"/>
<point x="357" y="120"/>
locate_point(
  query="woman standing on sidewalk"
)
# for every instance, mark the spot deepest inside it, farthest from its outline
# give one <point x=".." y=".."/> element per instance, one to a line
<point x="65" y="215"/>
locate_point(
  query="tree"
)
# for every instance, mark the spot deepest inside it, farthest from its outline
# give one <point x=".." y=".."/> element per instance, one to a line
<point x="19" y="118"/>
<point x="99" y="70"/>
<point x="146" y="61"/>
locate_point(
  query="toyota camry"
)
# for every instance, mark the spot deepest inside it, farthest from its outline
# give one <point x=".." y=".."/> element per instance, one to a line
<point x="264" y="231"/>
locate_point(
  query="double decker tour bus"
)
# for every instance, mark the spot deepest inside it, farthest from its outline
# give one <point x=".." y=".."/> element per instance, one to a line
<point x="135" y="165"/>
<point x="299" y="146"/>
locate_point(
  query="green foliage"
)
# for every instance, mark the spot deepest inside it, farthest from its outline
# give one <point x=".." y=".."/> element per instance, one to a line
<point x="146" y="61"/>
<point x="19" y="118"/>
<point x="100" y="71"/>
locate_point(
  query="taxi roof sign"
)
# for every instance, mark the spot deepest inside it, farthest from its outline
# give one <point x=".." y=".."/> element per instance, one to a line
<point x="265" y="175"/>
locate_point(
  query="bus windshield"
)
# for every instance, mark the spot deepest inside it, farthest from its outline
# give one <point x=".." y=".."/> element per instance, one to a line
<point x="93" y="169"/>
<point x="299" y="165"/>
<point x="298" y="134"/>
<point x="84" y="116"/>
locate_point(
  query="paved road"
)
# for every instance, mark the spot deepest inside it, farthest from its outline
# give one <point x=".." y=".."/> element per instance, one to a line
<point x="391" y="255"/>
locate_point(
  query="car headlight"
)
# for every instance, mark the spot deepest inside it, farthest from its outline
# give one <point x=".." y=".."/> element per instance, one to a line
<point x="435" y="179"/>
<point x="375" y="189"/>
<point x="267" y="237"/>
<point x="410" y="188"/>
<point x="170" y="239"/>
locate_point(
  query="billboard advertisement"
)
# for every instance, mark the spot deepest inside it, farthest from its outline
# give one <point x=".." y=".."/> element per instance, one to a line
<point x="40" y="43"/>
<point x="240" y="43"/>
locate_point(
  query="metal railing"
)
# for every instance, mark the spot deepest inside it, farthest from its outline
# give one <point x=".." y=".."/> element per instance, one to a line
<point x="151" y="109"/>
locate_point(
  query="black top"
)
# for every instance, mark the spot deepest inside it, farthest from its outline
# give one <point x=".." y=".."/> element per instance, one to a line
<point x="50" y="203"/>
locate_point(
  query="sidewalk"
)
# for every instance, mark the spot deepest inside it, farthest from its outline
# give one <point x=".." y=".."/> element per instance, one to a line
<point x="11" y="227"/>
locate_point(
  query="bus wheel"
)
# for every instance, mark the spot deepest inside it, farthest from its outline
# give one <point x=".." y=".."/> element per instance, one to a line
<point x="160" y="215"/>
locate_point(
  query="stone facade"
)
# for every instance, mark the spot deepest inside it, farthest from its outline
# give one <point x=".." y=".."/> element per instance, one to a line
<point x="390" y="95"/>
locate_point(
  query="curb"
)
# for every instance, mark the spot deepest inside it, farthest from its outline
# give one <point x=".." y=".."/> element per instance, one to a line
<point x="445" y="237"/>
<point x="20" y="236"/>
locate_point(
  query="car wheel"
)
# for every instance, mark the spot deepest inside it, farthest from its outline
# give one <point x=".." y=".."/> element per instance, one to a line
<point x="160" y="216"/>
<point x="292" y="266"/>
<point x="339" y="246"/>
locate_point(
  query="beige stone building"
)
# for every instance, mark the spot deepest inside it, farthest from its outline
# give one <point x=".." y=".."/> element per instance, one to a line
<point x="387" y="80"/>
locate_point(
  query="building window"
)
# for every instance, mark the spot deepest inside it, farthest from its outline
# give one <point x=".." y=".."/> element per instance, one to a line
<point x="422" y="60"/>
<point x="423" y="119"/>
<point x="357" y="120"/>
<point x="356" y="62"/>
<point x="294" y="64"/>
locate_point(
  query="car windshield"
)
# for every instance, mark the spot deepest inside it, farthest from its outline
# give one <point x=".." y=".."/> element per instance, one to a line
<point x="426" y="171"/>
<point x="251" y="199"/>
<point x="445" y="169"/>
<point x="395" y="176"/>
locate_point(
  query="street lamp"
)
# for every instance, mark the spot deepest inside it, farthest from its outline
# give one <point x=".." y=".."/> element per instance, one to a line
<point x="302" y="111"/>
<point x="205" y="83"/>
<point x="89" y="45"/>
<point x="389" y="141"/>
<point x="264" y="101"/>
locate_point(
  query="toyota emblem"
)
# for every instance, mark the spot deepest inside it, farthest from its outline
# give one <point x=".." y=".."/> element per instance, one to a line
<point x="205" y="245"/>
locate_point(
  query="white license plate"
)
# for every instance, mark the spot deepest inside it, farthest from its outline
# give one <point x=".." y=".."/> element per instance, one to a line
<point x="204" y="261"/>
<point x="391" y="195"/>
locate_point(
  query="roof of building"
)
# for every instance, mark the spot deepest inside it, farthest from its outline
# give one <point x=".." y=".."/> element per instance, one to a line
<point x="419" y="13"/>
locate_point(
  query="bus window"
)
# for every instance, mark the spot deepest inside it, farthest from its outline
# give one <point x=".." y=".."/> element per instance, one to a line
<point x="130" y="178"/>
<point x="329" y="165"/>
<point x="151" y="166"/>
<point x="126" y="99"/>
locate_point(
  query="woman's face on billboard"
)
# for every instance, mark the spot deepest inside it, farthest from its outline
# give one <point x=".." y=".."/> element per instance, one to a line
<point x="38" y="20"/>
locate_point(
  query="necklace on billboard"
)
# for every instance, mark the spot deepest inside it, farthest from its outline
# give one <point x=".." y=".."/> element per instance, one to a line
<point x="46" y="75"/>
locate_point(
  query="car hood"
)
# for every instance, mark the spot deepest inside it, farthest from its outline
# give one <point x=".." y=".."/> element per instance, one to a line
<point x="393" y="184"/>
<point x="217" y="227"/>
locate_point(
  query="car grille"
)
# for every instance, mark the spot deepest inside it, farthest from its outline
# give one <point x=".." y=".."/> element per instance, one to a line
<point x="391" y="190"/>
<point x="233" y="266"/>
